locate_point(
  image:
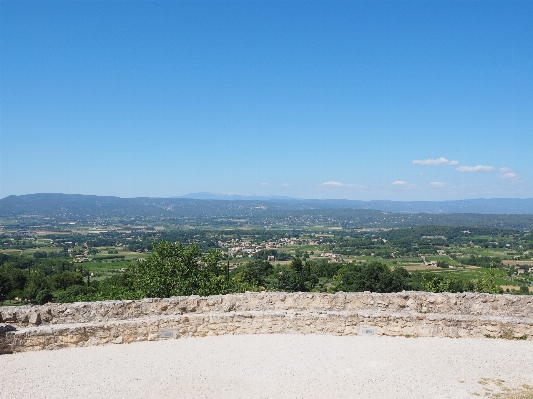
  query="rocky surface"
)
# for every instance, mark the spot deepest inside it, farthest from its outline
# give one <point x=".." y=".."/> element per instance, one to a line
<point x="416" y="314"/>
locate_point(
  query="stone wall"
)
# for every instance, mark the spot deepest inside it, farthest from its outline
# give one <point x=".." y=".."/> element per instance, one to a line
<point x="54" y="326"/>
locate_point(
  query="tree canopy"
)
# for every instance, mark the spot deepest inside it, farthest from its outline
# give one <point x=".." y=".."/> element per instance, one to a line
<point x="176" y="269"/>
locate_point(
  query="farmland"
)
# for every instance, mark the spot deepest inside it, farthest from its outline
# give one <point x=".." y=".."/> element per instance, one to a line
<point x="437" y="251"/>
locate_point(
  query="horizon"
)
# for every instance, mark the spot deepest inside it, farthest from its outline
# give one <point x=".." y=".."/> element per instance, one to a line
<point x="223" y="196"/>
<point x="369" y="101"/>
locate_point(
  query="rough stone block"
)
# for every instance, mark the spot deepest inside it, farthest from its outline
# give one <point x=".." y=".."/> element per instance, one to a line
<point x="34" y="318"/>
<point x="9" y="316"/>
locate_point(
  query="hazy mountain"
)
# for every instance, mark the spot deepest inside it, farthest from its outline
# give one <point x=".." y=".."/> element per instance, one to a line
<point x="76" y="204"/>
<point x="500" y="213"/>
<point x="212" y="196"/>
<point x="487" y="206"/>
<point x="481" y="205"/>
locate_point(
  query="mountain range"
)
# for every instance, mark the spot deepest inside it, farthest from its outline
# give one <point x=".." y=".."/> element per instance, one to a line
<point x="206" y="203"/>
<point x="481" y="205"/>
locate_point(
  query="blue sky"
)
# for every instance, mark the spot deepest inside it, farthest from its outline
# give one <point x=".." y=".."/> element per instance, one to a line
<point x="402" y="100"/>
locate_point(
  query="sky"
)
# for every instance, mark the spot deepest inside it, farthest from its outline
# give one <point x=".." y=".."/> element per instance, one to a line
<point x="401" y="100"/>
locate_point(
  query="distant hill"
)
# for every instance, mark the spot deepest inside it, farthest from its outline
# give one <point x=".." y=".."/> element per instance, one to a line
<point x="487" y="206"/>
<point x="213" y="205"/>
<point x="212" y="196"/>
<point x="500" y="213"/>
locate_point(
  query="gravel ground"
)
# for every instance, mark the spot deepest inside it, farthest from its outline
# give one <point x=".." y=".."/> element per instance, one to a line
<point x="274" y="366"/>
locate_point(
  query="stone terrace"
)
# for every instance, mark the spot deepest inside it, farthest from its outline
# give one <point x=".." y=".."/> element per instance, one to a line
<point x="55" y="326"/>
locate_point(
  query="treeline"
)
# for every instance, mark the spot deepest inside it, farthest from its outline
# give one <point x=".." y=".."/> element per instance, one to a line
<point x="481" y="261"/>
<point x="321" y="276"/>
<point x="424" y="240"/>
<point x="179" y="269"/>
<point x="36" y="280"/>
<point x="448" y="232"/>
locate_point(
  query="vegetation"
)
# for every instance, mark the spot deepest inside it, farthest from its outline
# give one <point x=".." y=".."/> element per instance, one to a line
<point x="251" y="246"/>
<point x="373" y="276"/>
<point x="176" y="269"/>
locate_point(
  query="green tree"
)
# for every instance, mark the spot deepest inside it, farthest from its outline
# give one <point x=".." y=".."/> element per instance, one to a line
<point x="372" y="276"/>
<point x="288" y="280"/>
<point x="118" y="286"/>
<point x="74" y="293"/>
<point x="176" y="269"/>
<point x="38" y="288"/>
<point x="443" y="264"/>
<point x="63" y="280"/>
<point x="298" y="277"/>
<point x="5" y="286"/>
<point x="487" y="283"/>
<point x="256" y="272"/>
<point x="12" y="281"/>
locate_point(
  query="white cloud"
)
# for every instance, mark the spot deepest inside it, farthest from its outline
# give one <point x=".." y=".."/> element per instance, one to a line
<point x="265" y="184"/>
<point x="438" y="161"/>
<point x="286" y="185"/>
<point x="333" y="184"/>
<point x="400" y="183"/>
<point x="437" y="184"/>
<point x="508" y="175"/>
<point x="474" y="169"/>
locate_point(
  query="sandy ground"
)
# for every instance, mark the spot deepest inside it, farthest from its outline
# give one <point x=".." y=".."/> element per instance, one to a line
<point x="273" y="366"/>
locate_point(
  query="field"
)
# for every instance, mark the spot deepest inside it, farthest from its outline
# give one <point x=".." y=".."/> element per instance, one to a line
<point x="102" y="252"/>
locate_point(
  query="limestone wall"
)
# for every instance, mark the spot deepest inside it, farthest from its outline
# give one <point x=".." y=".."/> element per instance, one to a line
<point x="55" y="326"/>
